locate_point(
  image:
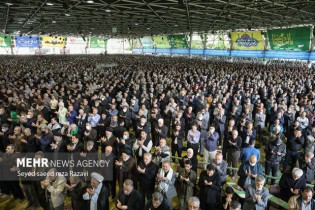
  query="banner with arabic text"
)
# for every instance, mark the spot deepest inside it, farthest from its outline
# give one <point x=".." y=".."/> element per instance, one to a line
<point x="290" y="39"/>
<point x="177" y="41"/>
<point x="76" y="42"/>
<point x="54" y="41"/>
<point x="247" y="40"/>
<point x="27" y="41"/>
<point x="161" y="42"/>
<point x="98" y="43"/>
<point x="5" y="40"/>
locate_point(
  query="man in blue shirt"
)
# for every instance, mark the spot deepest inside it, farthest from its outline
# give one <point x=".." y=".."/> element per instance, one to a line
<point x="249" y="151"/>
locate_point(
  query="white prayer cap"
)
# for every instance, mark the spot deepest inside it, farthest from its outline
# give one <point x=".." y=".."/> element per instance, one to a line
<point x="97" y="176"/>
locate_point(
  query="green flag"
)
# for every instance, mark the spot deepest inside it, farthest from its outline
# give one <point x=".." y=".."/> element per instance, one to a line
<point x="290" y="39"/>
<point x="98" y="43"/>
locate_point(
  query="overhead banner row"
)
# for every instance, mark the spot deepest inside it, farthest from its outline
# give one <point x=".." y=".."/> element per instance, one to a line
<point x="50" y="42"/>
<point x="297" y="39"/>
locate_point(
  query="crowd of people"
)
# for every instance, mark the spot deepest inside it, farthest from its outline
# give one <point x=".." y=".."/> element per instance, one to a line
<point x="172" y="127"/>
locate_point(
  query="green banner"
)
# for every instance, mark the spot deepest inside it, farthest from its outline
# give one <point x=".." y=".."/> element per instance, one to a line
<point x="161" y="42"/>
<point x="177" y="41"/>
<point x="5" y="40"/>
<point x="98" y="43"/>
<point x="290" y="39"/>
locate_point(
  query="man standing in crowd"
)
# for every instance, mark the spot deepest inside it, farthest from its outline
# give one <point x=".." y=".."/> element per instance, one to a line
<point x="128" y="197"/>
<point x="256" y="195"/>
<point x="186" y="181"/>
<point x="97" y="193"/>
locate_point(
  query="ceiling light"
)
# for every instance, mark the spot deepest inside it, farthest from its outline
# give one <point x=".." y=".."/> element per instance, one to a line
<point x="67" y="14"/>
<point x="9" y="3"/>
<point x="107" y="10"/>
<point x="136" y="24"/>
<point x="53" y="21"/>
<point x="90" y="1"/>
<point x="148" y="28"/>
<point x="49" y="4"/>
<point x="176" y="25"/>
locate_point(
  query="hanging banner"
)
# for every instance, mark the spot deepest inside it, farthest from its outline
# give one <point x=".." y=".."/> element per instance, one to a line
<point x="247" y="40"/>
<point x="27" y="41"/>
<point x="290" y="39"/>
<point x="5" y="40"/>
<point x="75" y="42"/>
<point x="178" y="41"/>
<point x="197" y="41"/>
<point x="161" y="42"/>
<point x="55" y="41"/>
<point x="98" y="43"/>
<point x="147" y="42"/>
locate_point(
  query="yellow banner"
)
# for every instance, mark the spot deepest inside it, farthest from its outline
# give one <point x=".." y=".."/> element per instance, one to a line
<point x="55" y="41"/>
<point x="250" y="40"/>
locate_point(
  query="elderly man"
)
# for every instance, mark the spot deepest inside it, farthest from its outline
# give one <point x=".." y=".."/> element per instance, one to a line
<point x="186" y="182"/>
<point x="162" y="152"/>
<point x="221" y="166"/>
<point x="256" y="196"/>
<point x="157" y="202"/>
<point x="126" y="167"/>
<point x="210" y="187"/>
<point x="97" y="193"/>
<point x="128" y="197"/>
<point x="110" y="172"/>
<point x="160" y="132"/>
<point x="193" y="203"/>
<point x="291" y="184"/>
<point x="190" y="156"/>
<point x="54" y="185"/>
<point x="166" y="178"/>
<point x="304" y="201"/>
<point x="248" y="171"/>
<point x="147" y="172"/>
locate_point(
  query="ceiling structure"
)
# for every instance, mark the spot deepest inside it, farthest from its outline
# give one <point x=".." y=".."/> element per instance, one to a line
<point x="149" y="17"/>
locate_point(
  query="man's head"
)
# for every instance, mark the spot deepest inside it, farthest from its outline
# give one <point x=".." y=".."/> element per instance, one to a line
<point x="166" y="165"/>
<point x="125" y="155"/>
<point x="235" y="205"/>
<point x="52" y="174"/>
<point x="157" y="199"/>
<point x="190" y="153"/>
<point x="108" y="150"/>
<point x="187" y="165"/>
<point x="143" y="135"/>
<point x="234" y="134"/>
<point x="307" y="194"/>
<point x="27" y="132"/>
<point x="162" y="143"/>
<point x="57" y="137"/>
<point x="160" y="122"/>
<point x="218" y="157"/>
<point x="74" y="139"/>
<point x="253" y="160"/>
<point x="260" y="181"/>
<point x="210" y="169"/>
<point x="9" y="149"/>
<point x="89" y="145"/>
<point x="96" y="179"/>
<point x="147" y="157"/>
<point x="128" y="186"/>
<point x="297" y="173"/>
<point x="193" y="203"/>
